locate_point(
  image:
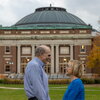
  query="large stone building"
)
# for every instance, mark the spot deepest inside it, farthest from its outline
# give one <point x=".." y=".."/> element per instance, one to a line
<point x="66" y="34"/>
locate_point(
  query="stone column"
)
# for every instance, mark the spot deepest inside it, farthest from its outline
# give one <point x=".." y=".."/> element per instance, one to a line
<point x="71" y="52"/>
<point x="18" y="59"/>
<point x="52" y="59"/>
<point x="33" y="51"/>
<point x="83" y="69"/>
<point x="57" y="59"/>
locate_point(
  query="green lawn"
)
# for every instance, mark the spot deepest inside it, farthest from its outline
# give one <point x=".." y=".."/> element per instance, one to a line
<point x="56" y="92"/>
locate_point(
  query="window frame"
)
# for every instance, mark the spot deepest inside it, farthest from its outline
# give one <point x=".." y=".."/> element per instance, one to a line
<point x="7" y="48"/>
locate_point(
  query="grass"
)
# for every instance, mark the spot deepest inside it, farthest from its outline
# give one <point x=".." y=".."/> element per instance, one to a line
<point x="56" y="92"/>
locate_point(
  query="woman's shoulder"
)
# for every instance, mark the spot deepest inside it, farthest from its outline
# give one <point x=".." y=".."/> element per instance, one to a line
<point x="77" y="81"/>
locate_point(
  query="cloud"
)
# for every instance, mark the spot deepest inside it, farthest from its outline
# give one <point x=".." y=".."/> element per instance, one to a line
<point x="92" y="6"/>
<point x="88" y="18"/>
<point x="87" y="10"/>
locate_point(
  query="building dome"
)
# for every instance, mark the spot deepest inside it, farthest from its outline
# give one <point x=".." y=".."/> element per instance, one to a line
<point x="50" y="16"/>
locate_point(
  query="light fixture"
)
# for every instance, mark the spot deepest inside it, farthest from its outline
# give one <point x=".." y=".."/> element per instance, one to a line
<point x="28" y="59"/>
<point x="9" y="62"/>
<point x="65" y="59"/>
<point x="82" y="47"/>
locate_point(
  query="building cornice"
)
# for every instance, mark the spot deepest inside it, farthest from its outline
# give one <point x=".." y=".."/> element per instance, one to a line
<point x="48" y="26"/>
<point x="45" y="37"/>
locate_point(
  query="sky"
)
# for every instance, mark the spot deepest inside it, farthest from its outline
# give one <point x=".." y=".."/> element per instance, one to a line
<point x="11" y="11"/>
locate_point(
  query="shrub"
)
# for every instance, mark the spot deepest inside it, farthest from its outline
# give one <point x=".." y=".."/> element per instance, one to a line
<point x="97" y="81"/>
<point x="59" y="81"/>
<point x="88" y="80"/>
<point x="1" y="80"/>
<point x="52" y="81"/>
<point x="11" y="81"/>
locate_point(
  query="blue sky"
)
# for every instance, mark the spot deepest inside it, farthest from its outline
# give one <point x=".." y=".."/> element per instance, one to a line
<point x="12" y="11"/>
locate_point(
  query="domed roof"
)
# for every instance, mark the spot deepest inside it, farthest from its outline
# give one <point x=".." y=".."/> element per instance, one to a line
<point x="50" y="16"/>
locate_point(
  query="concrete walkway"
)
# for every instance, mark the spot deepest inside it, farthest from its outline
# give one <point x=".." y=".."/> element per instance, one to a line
<point x="11" y="88"/>
<point x="51" y="88"/>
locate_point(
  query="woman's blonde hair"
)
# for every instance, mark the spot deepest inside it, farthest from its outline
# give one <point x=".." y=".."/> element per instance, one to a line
<point x="77" y="67"/>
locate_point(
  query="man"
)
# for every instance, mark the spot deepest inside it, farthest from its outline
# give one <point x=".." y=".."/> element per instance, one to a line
<point x="35" y="79"/>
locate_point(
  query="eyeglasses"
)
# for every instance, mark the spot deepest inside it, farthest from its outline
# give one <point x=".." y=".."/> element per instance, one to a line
<point x="49" y="55"/>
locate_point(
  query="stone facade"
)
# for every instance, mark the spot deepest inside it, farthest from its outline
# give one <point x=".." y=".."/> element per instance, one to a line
<point x="17" y="47"/>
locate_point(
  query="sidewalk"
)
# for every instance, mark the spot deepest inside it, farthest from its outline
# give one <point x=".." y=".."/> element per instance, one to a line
<point x="92" y="85"/>
<point x="11" y="88"/>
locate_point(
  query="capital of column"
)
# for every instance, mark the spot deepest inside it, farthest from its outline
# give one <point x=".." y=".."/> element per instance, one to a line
<point x="57" y="45"/>
<point x="18" y="45"/>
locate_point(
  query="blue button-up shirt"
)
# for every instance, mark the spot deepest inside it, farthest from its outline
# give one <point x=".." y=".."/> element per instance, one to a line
<point x="36" y="80"/>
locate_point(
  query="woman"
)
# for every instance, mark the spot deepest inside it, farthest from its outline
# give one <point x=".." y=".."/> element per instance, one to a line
<point x="75" y="90"/>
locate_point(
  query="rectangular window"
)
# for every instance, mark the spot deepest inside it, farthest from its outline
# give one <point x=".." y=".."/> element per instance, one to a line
<point x="64" y="31"/>
<point x="63" y="59"/>
<point x="7" y="50"/>
<point x="7" y="69"/>
<point x="82" y="49"/>
<point x="7" y="32"/>
<point x="64" y="50"/>
<point x="25" y="32"/>
<point x="82" y="31"/>
<point x="26" y="50"/>
<point x="44" y="32"/>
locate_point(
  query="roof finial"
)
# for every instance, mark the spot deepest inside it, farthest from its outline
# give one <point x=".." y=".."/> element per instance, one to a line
<point x="50" y="5"/>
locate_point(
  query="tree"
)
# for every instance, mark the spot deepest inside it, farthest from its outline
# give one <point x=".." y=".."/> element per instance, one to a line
<point x="94" y="56"/>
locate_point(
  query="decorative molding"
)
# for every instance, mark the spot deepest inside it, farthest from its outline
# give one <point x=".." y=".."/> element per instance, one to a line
<point x="7" y="56"/>
<point x="38" y="42"/>
<point x="82" y="55"/>
<point x="25" y="32"/>
<point x="45" y="37"/>
<point x="64" y="31"/>
<point x="44" y="32"/>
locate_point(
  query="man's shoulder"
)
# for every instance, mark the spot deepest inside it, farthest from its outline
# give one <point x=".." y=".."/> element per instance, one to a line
<point x="33" y="63"/>
<point x="31" y="66"/>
